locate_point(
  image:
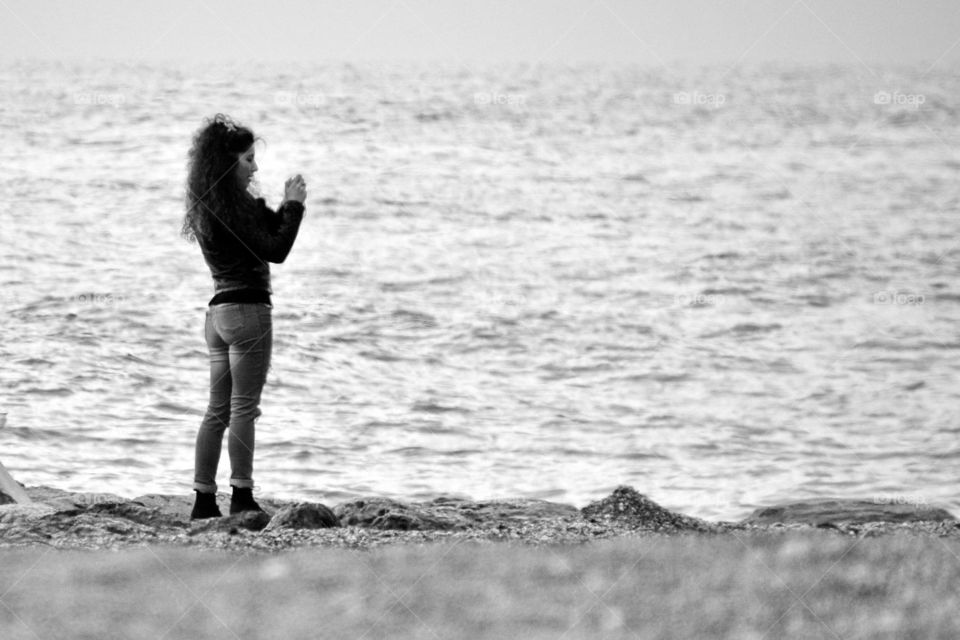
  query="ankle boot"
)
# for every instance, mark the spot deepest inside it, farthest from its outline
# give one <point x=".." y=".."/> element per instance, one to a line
<point x="242" y="500"/>
<point x="205" y="507"/>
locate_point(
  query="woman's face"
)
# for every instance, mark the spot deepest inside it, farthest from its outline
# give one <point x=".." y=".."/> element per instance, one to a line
<point x="246" y="167"/>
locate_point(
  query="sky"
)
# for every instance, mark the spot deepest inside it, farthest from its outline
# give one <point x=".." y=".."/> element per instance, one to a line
<point x="651" y="32"/>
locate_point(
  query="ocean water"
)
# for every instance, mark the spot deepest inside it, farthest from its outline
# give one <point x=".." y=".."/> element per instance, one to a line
<point x="725" y="287"/>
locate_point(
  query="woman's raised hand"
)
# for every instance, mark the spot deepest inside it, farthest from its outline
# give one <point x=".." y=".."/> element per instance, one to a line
<point x="295" y="189"/>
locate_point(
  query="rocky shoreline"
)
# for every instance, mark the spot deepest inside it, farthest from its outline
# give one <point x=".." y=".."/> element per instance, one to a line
<point x="63" y="519"/>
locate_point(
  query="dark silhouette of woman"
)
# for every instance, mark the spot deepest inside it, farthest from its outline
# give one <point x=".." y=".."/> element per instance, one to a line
<point x="239" y="236"/>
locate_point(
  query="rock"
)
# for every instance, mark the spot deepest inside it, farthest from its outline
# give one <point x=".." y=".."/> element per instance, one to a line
<point x="827" y="512"/>
<point x="249" y="520"/>
<point x="497" y="512"/>
<point x="303" y="515"/>
<point x="41" y="523"/>
<point x="96" y="523"/>
<point x="137" y="512"/>
<point x="384" y="513"/>
<point x="446" y="514"/>
<point x="177" y="506"/>
<point x="626" y="507"/>
<point x="66" y="500"/>
<point x="91" y="526"/>
<point x="18" y="513"/>
<point x="5" y="499"/>
<point x="101" y="520"/>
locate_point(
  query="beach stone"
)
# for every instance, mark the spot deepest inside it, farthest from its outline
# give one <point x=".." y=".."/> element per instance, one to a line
<point x="626" y="507"/>
<point x="42" y="524"/>
<point x="249" y="520"/>
<point x="100" y="523"/>
<point x="176" y="506"/>
<point x="95" y="527"/>
<point x="15" y="513"/>
<point x="510" y="510"/>
<point x="105" y="505"/>
<point x="66" y="500"/>
<point x="303" y="515"/>
<point x="447" y="513"/>
<point x="384" y="513"/>
<point x="846" y="511"/>
<point x="137" y="512"/>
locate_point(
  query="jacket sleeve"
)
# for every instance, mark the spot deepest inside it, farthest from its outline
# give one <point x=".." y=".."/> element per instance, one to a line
<point x="275" y="232"/>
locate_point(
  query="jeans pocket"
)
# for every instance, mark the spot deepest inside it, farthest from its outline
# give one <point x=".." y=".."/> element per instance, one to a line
<point x="228" y="320"/>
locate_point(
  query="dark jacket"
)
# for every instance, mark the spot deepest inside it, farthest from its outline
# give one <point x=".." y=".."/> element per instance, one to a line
<point x="238" y="256"/>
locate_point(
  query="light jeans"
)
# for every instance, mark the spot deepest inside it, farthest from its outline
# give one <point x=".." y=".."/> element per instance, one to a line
<point x="240" y="339"/>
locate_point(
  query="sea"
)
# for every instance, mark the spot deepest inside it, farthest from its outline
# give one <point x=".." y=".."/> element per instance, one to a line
<point x="727" y="287"/>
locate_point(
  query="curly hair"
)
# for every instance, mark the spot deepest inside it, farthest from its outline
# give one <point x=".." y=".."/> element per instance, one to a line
<point x="212" y="192"/>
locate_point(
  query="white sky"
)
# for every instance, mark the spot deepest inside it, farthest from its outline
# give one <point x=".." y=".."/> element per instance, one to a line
<point x="643" y="31"/>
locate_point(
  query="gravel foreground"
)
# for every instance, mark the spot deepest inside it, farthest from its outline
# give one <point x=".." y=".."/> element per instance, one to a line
<point x="66" y="520"/>
<point x="98" y="566"/>
<point x="763" y="586"/>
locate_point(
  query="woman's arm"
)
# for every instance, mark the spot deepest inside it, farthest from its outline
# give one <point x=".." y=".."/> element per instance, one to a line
<point x="274" y="238"/>
<point x="269" y="235"/>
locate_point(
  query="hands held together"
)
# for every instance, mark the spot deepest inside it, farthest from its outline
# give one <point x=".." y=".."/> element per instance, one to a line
<point x="295" y="189"/>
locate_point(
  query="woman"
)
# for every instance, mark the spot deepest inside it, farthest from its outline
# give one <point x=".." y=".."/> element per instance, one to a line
<point x="238" y="235"/>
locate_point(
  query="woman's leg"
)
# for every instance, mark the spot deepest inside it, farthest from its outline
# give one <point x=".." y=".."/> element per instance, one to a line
<point x="217" y="417"/>
<point x="249" y="361"/>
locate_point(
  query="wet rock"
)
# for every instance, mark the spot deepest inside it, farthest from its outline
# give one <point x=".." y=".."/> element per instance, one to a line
<point x="137" y="512"/>
<point x="303" y="515"/>
<point x="249" y="520"/>
<point x="384" y="513"/>
<point x="95" y="526"/>
<point x="96" y="520"/>
<point x="823" y="513"/>
<point x="504" y="512"/>
<point x="11" y="514"/>
<point x="447" y="514"/>
<point x="175" y="506"/>
<point x="41" y="523"/>
<point x="66" y="500"/>
<point x="103" y="505"/>
<point x="626" y="507"/>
